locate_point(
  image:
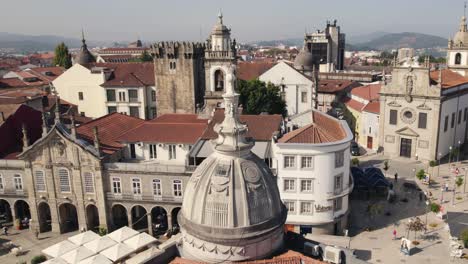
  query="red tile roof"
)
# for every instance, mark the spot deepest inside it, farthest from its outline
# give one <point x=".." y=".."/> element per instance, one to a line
<point x="44" y="76"/>
<point x="122" y="50"/>
<point x="11" y="83"/>
<point x="252" y="70"/>
<point x="323" y="129"/>
<point x="372" y="107"/>
<point x="368" y="92"/>
<point x="179" y="118"/>
<point x="449" y="78"/>
<point x="290" y="257"/>
<point x="47" y="73"/>
<point x="110" y="128"/>
<point x="261" y="127"/>
<point x="132" y="74"/>
<point x="358" y="106"/>
<point x="19" y="95"/>
<point x="333" y="86"/>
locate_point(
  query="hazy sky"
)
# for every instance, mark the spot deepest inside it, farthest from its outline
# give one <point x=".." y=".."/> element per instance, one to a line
<point x="249" y="19"/>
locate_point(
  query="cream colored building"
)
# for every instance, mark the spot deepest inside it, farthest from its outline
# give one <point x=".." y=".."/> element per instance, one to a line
<point x="457" y="52"/>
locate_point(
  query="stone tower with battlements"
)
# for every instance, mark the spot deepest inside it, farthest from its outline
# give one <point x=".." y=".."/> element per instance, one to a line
<point x="179" y="73"/>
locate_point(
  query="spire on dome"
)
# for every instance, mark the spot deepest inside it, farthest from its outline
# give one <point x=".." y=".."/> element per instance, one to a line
<point x="463" y="27"/>
<point x="84" y="56"/>
<point x="220" y="17"/>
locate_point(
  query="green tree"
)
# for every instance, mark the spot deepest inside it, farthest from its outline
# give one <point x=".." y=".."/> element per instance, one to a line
<point x="62" y="56"/>
<point x="459" y="181"/>
<point x="421" y="174"/>
<point x="464" y="237"/>
<point x="416" y="225"/>
<point x="258" y="97"/>
<point x="355" y="162"/>
<point x="38" y="259"/>
<point x="145" y="56"/>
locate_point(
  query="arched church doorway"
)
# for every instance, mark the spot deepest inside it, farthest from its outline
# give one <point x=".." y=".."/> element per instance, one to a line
<point x="119" y="216"/>
<point x="68" y="218"/>
<point x="5" y="212"/>
<point x="174" y="214"/>
<point x="92" y="217"/>
<point x="44" y="218"/>
<point x="22" y="213"/>
<point x="159" y="218"/>
<point x="219" y="80"/>
<point x="139" y="218"/>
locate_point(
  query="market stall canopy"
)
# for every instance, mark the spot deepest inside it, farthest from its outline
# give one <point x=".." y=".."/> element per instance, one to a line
<point x="55" y="261"/>
<point x="77" y="255"/>
<point x="139" y="241"/>
<point x="117" y="252"/>
<point x="122" y="234"/>
<point x="83" y="238"/>
<point x="96" y="259"/>
<point x="59" y="248"/>
<point x="100" y="244"/>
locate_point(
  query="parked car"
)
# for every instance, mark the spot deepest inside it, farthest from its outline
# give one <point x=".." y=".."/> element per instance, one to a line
<point x="354" y="149"/>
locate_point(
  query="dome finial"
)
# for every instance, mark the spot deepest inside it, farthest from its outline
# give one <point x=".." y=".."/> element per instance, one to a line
<point x="220" y="16"/>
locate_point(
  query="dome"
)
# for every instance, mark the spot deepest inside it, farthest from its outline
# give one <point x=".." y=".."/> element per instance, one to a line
<point x="220" y="28"/>
<point x="304" y="60"/>
<point x="84" y="56"/>
<point x="232" y="209"/>
<point x="461" y="37"/>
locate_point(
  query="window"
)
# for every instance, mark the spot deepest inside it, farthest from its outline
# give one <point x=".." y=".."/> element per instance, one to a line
<point x="289" y="185"/>
<point x="40" y="181"/>
<point x="465" y="113"/>
<point x="80" y="96"/>
<point x="157" y="190"/>
<point x="306" y="208"/>
<point x="132" y="151"/>
<point x="177" y="188"/>
<point x="306" y="186"/>
<point x="452" y="122"/>
<point x="219" y="80"/>
<point x="446" y="123"/>
<point x="339" y="159"/>
<point x="134" y="111"/>
<point x="88" y="182"/>
<point x="408" y="114"/>
<point x="2" y="185"/>
<point x="133" y="95"/>
<point x="152" y="150"/>
<point x="289" y="162"/>
<point x="422" y="120"/>
<point x="304" y="97"/>
<point x="337" y="204"/>
<point x="136" y="186"/>
<point x="291" y="206"/>
<point x="172" y="152"/>
<point x="370" y="130"/>
<point x="116" y="186"/>
<point x="459" y="116"/>
<point x="307" y="162"/>
<point x="82" y="114"/>
<point x="64" y="180"/>
<point x="110" y="95"/>
<point x="111" y="109"/>
<point x="153" y="95"/>
<point x="122" y="96"/>
<point x="339" y="183"/>
<point x="393" y="117"/>
<point x="18" y="181"/>
<point x="457" y="58"/>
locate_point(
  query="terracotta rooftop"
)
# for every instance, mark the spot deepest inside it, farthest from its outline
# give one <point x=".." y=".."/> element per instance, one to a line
<point x="324" y="129"/>
<point x="368" y="92"/>
<point x="358" y="106"/>
<point x="19" y="95"/>
<point x="290" y="257"/>
<point x="261" y="127"/>
<point x="122" y="50"/>
<point x="11" y="83"/>
<point x="372" y="107"/>
<point x="6" y="110"/>
<point x="449" y="78"/>
<point x="333" y="86"/>
<point x="179" y="118"/>
<point x="131" y="74"/>
<point x="117" y="58"/>
<point x="110" y="128"/>
<point x="252" y="70"/>
<point x="43" y="76"/>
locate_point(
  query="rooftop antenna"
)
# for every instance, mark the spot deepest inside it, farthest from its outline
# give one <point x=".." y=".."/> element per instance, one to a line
<point x="464" y="10"/>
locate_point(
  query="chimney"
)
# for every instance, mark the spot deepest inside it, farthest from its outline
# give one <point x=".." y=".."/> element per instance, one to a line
<point x="25" y="137"/>
<point x="97" y="144"/>
<point x="57" y="109"/>
<point x="72" y="126"/>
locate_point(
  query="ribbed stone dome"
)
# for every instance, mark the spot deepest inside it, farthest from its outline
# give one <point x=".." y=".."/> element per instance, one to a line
<point x="461" y="37"/>
<point x="220" y="28"/>
<point x="304" y="60"/>
<point x="84" y="56"/>
<point x="231" y="210"/>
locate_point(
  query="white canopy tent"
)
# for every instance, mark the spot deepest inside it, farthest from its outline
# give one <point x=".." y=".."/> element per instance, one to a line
<point x="100" y="244"/>
<point x="117" y="252"/>
<point x="59" y="248"/>
<point x="139" y="241"/>
<point x="77" y="255"/>
<point x="122" y="234"/>
<point x="96" y="259"/>
<point x="83" y="238"/>
<point x="55" y="261"/>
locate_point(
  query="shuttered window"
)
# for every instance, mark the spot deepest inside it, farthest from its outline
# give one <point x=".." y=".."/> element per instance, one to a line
<point x="88" y="182"/>
<point x="64" y="180"/>
<point x="39" y="178"/>
<point x="393" y="117"/>
<point x="422" y="120"/>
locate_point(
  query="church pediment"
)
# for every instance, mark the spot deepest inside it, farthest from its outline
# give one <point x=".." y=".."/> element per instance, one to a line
<point x="406" y="131"/>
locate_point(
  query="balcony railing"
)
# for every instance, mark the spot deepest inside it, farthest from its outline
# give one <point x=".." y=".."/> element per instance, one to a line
<point x="149" y="167"/>
<point x="148" y="198"/>
<point x="11" y="164"/>
<point x="13" y="193"/>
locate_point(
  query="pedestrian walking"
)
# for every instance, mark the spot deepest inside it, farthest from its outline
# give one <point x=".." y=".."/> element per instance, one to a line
<point x="396" y="176"/>
<point x="5" y="231"/>
<point x="394" y="234"/>
<point x="446" y="186"/>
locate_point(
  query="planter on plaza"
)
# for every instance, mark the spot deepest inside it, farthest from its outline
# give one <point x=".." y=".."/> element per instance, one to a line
<point x="17" y="224"/>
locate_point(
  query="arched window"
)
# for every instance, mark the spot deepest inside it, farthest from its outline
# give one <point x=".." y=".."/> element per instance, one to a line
<point x="40" y="181"/>
<point x="88" y="182"/>
<point x="219" y="80"/>
<point x="458" y="59"/>
<point x="64" y="180"/>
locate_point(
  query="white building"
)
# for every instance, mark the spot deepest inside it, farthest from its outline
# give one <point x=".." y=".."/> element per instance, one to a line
<point x="313" y="175"/>
<point x="99" y="89"/>
<point x="457" y="52"/>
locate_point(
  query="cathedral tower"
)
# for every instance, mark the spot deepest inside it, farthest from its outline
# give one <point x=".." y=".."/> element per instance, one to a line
<point x="457" y="52"/>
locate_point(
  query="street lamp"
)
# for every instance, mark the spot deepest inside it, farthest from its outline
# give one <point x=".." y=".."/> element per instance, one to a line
<point x="450" y="156"/>
<point x="458" y="151"/>
<point x="427" y="211"/>
<point x="414" y="172"/>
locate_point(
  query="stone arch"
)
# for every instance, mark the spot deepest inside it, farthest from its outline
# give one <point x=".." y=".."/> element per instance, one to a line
<point x="139" y="218"/>
<point x="458" y="58"/>
<point x="5" y="211"/>
<point x="92" y="217"/>
<point x="119" y="216"/>
<point x="68" y="218"/>
<point x="44" y="217"/>
<point x="159" y="220"/>
<point x="219" y="80"/>
<point x="174" y="213"/>
<point x="22" y="212"/>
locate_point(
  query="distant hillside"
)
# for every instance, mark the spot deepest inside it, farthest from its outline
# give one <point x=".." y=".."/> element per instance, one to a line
<point x="288" y="42"/>
<point x="355" y="39"/>
<point x="404" y="40"/>
<point x="29" y="43"/>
